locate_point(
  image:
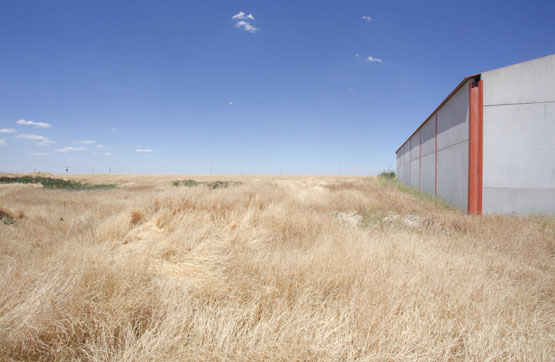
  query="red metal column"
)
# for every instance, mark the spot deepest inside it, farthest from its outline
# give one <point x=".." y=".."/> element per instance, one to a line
<point x="436" y="160"/>
<point x="475" y="147"/>
<point x="420" y="161"/>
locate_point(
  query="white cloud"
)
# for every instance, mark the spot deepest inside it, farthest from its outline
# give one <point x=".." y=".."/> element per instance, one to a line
<point x="366" y="18"/>
<point x="108" y="154"/>
<point x="357" y="55"/>
<point x="246" y="26"/>
<point x="31" y="137"/>
<point x="86" y="142"/>
<point x="230" y="102"/>
<point x="7" y="130"/>
<point x="35" y="137"/>
<point x="100" y="146"/>
<point x="372" y="59"/>
<point x="45" y="143"/>
<point x="241" y="18"/>
<point x="2" y="143"/>
<point x="113" y="129"/>
<point x="239" y="15"/>
<point x="144" y="150"/>
<point x="31" y="123"/>
<point x="39" y="154"/>
<point x="70" y="149"/>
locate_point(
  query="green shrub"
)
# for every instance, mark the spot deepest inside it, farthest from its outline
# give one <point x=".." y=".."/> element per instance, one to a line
<point x="211" y="185"/>
<point x="54" y="183"/>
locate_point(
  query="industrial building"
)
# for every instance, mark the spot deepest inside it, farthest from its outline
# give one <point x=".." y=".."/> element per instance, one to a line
<point x="489" y="147"/>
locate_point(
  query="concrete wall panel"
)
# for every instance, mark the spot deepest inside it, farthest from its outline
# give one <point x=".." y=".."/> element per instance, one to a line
<point x="428" y="136"/>
<point x="528" y="82"/>
<point x="518" y="201"/>
<point x="415" y="146"/>
<point x="452" y="175"/>
<point x="452" y="119"/>
<point x="428" y="176"/>
<point x="519" y="146"/>
<point x="414" y="173"/>
<point x="407" y="173"/>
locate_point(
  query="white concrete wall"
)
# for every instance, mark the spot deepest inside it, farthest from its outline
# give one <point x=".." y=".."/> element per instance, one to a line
<point x="519" y="138"/>
<point x="415" y="160"/>
<point x="403" y="163"/>
<point x="452" y="149"/>
<point x="428" y="162"/>
<point x="419" y="169"/>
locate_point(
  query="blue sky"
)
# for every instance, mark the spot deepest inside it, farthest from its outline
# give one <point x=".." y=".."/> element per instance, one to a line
<point x="284" y="87"/>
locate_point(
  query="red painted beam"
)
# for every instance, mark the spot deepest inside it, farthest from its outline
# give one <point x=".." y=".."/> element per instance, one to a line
<point x="436" y="159"/>
<point x="475" y="147"/>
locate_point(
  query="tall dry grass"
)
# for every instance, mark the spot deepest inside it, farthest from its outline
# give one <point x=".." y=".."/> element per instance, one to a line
<point x="287" y="268"/>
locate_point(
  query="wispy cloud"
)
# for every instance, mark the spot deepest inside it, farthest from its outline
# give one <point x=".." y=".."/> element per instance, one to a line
<point x="35" y="137"/>
<point x="2" y="143"/>
<point x="357" y="55"/>
<point x="144" y="150"/>
<point x="37" y="124"/>
<point x="7" y="130"/>
<point x="108" y="154"/>
<point x="45" y="142"/>
<point x="230" y="103"/>
<point x="246" y="26"/>
<point x="366" y="18"/>
<point x="242" y="16"/>
<point x="86" y="142"/>
<point x="372" y="59"/>
<point x="70" y="149"/>
<point x="239" y="15"/>
<point x="39" y="154"/>
<point x="242" y="22"/>
<point x="113" y="129"/>
<point x="101" y="146"/>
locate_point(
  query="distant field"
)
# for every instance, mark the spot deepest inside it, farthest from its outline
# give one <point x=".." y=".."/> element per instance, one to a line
<point x="267" y="268"/>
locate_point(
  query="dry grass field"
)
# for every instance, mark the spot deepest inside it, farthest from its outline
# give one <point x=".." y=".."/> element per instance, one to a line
<point x="268" y="268"/>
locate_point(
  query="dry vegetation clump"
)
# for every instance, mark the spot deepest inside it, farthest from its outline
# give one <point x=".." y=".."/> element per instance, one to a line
<point x="304" y="268"/>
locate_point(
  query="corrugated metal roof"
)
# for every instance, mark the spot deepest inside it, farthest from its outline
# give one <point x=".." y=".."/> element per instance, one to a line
<point x="465" y="79"/>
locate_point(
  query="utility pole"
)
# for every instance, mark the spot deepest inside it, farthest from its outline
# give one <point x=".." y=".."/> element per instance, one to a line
<point x="67" y="169"/>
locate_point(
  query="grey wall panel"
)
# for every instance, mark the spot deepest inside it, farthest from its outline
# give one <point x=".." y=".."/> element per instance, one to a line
<point x="452" y="175"/>
<point x="398" y="166"/>
<point x="531" y="81"/>
<point x="519" y="146"/>
<point x="428" y="176"/>
<point x="415" y="146"/>
<point x="452" y="119"/>
<point x="414" y="173"/>
<point x="407" y="173"/>
<point x="518" y="201"/>
<point x="428" y="136"/>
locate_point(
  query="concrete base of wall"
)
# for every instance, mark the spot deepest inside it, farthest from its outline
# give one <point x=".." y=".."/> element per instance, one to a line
<point x="525" y="201"/>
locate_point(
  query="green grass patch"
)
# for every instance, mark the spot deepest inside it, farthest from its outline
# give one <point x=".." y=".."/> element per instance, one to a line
<point x="211" y="185"/>
<point x="386" y="181"/>
<point x="54" y="183"/>
<point x="6" y="217"/>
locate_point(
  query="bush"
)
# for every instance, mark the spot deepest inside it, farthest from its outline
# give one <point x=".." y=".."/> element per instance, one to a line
<point x="390" y="175"/>
<point x="54" y="183"/>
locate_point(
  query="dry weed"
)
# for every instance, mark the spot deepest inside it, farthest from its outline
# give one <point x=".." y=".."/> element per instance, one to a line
<point x="285" y="268"/>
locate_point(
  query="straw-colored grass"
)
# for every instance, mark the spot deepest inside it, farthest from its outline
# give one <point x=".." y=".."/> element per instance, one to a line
<point x="284" y="268"/>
